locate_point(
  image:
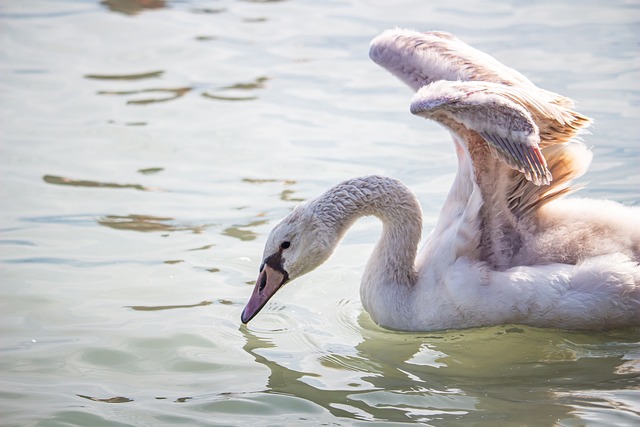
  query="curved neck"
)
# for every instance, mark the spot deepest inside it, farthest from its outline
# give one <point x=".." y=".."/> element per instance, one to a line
<point x="392" y="261"/>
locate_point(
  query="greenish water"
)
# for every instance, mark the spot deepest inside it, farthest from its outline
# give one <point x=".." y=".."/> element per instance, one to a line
<point x="147" y="148"/>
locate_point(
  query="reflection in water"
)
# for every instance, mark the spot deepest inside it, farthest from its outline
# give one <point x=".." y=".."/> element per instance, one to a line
<point x="286" y="194"/>
<point x="362" y="374"/>
<point x="171" y="94"/>
<point x="209" y="10"/>
<point x="228" y="98"/>
<point x="60" y="180"/>
<point x="113" y="122"/>
<point x="167" y="307"/>
<point x="206" y="38"/>
<point x="150" y="171"/>
<point x="132" y="7"/>
<point x="245" y="235"/>
<point x="264" y="1"/>
<point x="17" y="242"/>
<point x="117" y="399"/>
<point x="267" y="180"/>
<point x="139" y="76"/>
<point x="233" y="92"/>
<point x="254" y="20"/>
<point x="145" y="223"/>
<point x="201" y="248"/>
<point x="402" y="377"/>
<point x="288" y="381"/>
<point x="258" y="83"/>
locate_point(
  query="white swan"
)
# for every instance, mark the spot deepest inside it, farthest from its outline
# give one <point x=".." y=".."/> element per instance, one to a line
<point x="506" y="248"/>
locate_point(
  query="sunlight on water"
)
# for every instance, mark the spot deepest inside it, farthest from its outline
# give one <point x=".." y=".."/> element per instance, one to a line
<point x="148" y="147"/>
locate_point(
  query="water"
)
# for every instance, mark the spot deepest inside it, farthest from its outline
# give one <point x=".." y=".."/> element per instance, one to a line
<point x="147" y="148"/>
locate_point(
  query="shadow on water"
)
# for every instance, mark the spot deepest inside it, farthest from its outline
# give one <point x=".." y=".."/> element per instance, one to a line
<point x="455" y="376"/>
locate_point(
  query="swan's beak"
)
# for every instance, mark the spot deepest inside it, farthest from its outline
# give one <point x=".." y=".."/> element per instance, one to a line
<point x="268" y="283"/>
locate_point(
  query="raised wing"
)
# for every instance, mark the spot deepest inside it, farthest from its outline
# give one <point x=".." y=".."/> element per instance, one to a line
<point x="494" y="111"/>
<point x="419" y="59"/>
<point x="422" y="58"/>
<point x="481" y="107"/>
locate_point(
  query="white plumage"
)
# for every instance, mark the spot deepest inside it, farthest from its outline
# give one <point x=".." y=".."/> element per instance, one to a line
<point x="507" y="248"/>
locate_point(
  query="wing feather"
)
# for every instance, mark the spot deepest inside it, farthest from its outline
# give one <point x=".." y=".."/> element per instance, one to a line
<point x="419" y="59"/>
<point x="506" y="126"/>
<point x="541" y="147"/>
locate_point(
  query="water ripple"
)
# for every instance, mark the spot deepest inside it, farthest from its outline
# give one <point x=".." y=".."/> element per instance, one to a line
<point x="76" y="262"/>
<point x="171" y="94"/>
<point x="167" y="307"/>
<point x="60" y="180"/>
<point x="116" y="399"/>
<point x="146" y="223"/>
<point x="136" y="76"/>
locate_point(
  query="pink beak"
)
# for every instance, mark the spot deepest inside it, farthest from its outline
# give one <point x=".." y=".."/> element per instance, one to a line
<point x="268" y="283"/>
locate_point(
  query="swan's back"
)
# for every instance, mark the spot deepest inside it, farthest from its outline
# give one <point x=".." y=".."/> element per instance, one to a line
<point x="571" y="230"/>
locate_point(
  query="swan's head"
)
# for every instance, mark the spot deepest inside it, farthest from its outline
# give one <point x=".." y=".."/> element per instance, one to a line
<point x="298" y="244"/>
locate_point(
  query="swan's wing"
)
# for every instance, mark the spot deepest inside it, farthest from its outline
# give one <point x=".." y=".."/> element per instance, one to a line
<point x="507" y="127"/>
<point x="422" y="58"/>
<point x="556" y="122"/>
<point x="419" y="59"/>
<point x="497" y="115"/>
<point x="492" y="110"/>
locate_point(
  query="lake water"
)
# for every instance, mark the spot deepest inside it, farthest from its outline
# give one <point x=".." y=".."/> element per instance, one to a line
<point x="148" y="147"/>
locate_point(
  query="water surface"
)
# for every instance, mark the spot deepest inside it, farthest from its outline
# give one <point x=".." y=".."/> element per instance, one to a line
<point x="148" y="147"/>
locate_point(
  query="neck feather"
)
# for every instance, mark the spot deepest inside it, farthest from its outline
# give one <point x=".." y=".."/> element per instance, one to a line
<point x="392" y="261"/>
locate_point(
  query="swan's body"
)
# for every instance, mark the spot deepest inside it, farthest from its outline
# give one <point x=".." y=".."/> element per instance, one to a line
<point x="507" y="248"/>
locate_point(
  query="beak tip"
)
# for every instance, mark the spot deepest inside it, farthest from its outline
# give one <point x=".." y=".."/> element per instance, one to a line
<point x="268" y="283"/>
<point x="244" y="318"/>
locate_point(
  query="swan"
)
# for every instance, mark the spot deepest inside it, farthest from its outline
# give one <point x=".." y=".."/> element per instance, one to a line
<point x="508" y="247"/>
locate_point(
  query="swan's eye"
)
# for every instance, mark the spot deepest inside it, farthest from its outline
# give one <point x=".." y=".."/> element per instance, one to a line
<point x="285" y="245"/>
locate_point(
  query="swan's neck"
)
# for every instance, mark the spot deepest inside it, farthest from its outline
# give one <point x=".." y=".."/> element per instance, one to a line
<point x="390" y="275"/>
